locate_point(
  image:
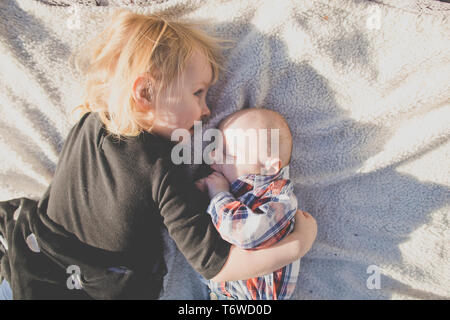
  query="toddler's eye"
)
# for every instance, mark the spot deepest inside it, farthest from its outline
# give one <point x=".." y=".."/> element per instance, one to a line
<point x="198" y="92"/>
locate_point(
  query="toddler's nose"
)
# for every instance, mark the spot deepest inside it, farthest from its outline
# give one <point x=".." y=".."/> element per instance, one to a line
<point x="214" y="166"/>
<point x="205" y="112"/>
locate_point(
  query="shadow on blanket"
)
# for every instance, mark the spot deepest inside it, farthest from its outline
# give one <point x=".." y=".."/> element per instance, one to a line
<point x="362" y="217"/>
<point x="365" y="216"/>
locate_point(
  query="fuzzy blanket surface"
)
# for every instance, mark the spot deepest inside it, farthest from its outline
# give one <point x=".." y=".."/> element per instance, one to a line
<point x="365" y="86"/>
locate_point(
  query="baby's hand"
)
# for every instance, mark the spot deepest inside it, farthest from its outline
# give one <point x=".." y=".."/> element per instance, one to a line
<point x="201" y="184"/>
<point x="216" y="183"/>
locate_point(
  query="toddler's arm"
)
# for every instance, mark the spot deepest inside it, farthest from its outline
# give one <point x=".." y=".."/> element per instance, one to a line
<point x="260" y="262"/>
<point x="201" y="244"/>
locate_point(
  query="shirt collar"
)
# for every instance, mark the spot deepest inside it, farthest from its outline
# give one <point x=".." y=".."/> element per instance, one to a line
<point x="257" y="180"/>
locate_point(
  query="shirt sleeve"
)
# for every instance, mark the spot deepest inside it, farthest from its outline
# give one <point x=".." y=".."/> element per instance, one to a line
<point x="249" y="227"/>
<point x="183" y="208"/>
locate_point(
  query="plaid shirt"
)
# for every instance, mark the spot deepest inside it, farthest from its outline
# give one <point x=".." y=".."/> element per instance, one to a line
<point x="258" y="212"/>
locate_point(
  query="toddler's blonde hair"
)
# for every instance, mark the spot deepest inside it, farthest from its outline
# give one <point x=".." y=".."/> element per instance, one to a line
<point x="133" y="44"/>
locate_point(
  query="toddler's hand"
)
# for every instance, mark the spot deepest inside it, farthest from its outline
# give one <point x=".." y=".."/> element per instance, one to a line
<point x="216" y="183"/>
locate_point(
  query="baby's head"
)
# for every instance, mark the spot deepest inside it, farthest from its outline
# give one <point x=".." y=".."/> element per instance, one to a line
<point x="255" y="141"/>
<point x="149" y="73"/>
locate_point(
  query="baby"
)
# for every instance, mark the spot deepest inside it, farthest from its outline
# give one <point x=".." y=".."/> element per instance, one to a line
<point x="253" y="202"/>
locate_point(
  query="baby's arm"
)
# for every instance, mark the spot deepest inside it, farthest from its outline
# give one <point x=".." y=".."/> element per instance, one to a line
<point x="268" y="219"/>
<point x="264" y="223"/>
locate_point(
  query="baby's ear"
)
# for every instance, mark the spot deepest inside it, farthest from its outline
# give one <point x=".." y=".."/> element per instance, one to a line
<point x="271" y="167"/>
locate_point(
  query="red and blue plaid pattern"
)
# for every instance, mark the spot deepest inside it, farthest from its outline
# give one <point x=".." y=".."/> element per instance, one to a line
<point x="258" y="212"/>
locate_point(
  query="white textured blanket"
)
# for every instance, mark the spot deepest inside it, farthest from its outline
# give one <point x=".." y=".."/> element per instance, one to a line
<point x="364" y="85"/>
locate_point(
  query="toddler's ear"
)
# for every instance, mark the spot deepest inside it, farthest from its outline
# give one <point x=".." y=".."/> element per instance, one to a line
<point x="142" y="93"/>
<point x="271" y="167"/>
